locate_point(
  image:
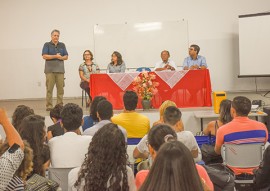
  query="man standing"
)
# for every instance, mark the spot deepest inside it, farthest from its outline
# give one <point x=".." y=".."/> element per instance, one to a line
<point x="194" y="61"/>
<point x="166" y="63"/>
<point x="54" y="53"/>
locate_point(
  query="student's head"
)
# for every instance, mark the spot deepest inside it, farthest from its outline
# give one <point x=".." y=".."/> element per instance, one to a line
<point x="116" y="57"/>
<point x="93" y="107"/>
<point x="71" y="116"/>
<point x="105" y="110"/>
<point x="165" y="55"/>
<point x="173" y="170"/>
<point x="88" y="55"/>
<point x="106" y="160"/>
<point x="130" y="99"/>
<point x="163" y="107"/>
<point x="241" y="106"/>
<point x="194" y="49"/>
<point x="32" y="129"/>
<point x="158" y="135"/>
<point x="225" y="111"/>
<point x="172" y="115"/>
<point x="26" y="166"/>
<point x="55" y="112"/>
<point x="20" y="113"/>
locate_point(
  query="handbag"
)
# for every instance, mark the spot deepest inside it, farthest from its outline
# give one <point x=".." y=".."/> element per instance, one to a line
<point x="40" y="183"/>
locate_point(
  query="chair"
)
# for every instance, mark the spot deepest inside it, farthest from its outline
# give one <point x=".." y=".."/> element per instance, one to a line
<point x="242" y="156"/>
<point x="133" y="141"/>
<point x="60" y="175"/>
<point x="143" y="69"/>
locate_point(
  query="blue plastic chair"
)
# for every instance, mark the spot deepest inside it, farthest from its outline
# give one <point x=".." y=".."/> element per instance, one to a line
<point x="133" y="141"/>
<point x="143" y="69"/>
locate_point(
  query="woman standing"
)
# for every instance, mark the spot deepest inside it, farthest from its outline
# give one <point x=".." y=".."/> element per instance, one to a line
<point x="117" y="64"/>
<point x="87" y="68"/>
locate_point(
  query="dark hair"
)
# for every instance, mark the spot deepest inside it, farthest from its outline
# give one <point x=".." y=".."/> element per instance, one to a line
<point x="56" y="111"/>
<point x="93" y="107"/>
<point x="165" y="51"/>
<point x="196" y="48"/>
<point x="130" y="99"/>
<point x="242" y="105"/>
<point x="105" y="110"/>
<point x="225" y="111"/>
<point x="172" y="115"/>
<point x="55" y="30"/>
<point x="157" y="134"/>
<point x="119" y="58"/>
<point x="91" y="54"/>
<point x="19" y="114"/>
<point x="71" y="116"/>
<point x="105" y="161"/>
<point x="173" y="170"/>
<point x="32" y="129"/>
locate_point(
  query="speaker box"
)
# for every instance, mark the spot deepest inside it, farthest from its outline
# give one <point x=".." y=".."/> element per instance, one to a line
<point x="267" y="118"/>
<point x="217" y="98"/>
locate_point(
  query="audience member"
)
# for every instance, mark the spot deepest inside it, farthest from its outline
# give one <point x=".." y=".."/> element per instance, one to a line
<point x="19" y="114"/>
<point x="32" y="129"/>
<point x="105" y="165"/>
<point x="55" y="129"/>
<point x="194" y="61"/>
<point x="158" y="135"/>
<point x="165" y="63"/>
<point x="262" y="174"/>
<point x="136" y="124"/>
<point x="241" y="130"/>
<point x="162" y="109"/>
<point x="87" y="68"/>
<point x="117" y="65"/>
<point x="104" y="113"/>
<point x="71" y="146"/>
<point x="224" y="117"/>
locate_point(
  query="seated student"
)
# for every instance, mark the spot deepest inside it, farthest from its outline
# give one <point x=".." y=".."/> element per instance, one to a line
<point x="262" y="174"/>
<point x="71" y="146"/>
<point x="136" y="124"/>
<point x="194" y="61"/>
<point x="117" y="65"/>
<point x="162" y="109"/>
<point x="20" y="113"/>
<point x="55" y="129"/>
<point x="104" y="114"/>
<point x="12" y="154"/>
<point x="32" y="129"/>
<point x="166" y="63"/>
<point x="224" y="117"/>
<point x="105" y="165"/>
<point x="89" y="121"/>
<point x="176" y="163"/>
<point x="172" y="117"/>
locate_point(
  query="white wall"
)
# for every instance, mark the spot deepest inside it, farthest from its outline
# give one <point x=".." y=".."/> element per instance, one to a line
<point x="26" y="25"/>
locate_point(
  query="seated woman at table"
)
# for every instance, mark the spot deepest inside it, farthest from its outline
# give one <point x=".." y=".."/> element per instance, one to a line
<point x="224" y="117"/>
<point x="117" y="64"/>
<point x="87" y="68"/>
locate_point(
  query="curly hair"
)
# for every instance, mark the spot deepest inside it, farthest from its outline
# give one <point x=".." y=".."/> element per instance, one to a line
<point x="104" y="166"/>
<point x="19" y="114"/>
<point x="26" y="166"/>
<point x="55" y="112"/>
<point x="32" y="129"/>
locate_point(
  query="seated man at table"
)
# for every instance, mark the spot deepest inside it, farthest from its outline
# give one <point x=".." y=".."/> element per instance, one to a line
<point x="241" y="130"/>
<point x="136" y="124"/>
<point x="194" y="61"/>
<point x="165" y="63"/>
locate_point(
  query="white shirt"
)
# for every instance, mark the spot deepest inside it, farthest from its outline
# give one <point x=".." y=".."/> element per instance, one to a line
<point x="161" y="64"/>
<point x="68" y="150"/>
<point x="73" y="176"/>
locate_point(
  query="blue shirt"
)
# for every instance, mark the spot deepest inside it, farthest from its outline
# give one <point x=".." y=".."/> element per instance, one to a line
<point x="200" y="61"/>
<point x="88" y="122"/>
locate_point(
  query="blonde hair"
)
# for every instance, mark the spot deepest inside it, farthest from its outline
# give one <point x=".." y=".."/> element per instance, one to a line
<point x="164" y="105"/>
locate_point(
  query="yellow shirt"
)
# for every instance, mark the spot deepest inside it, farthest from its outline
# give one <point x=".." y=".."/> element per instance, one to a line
<point x="136" y="124"/>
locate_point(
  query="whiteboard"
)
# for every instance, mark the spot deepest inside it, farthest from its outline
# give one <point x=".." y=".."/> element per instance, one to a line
<point x="140" y="44"/>
<point x="254" y="40"/>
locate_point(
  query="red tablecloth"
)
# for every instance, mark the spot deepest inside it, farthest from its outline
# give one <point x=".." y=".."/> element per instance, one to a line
<point x="193" y="90"/>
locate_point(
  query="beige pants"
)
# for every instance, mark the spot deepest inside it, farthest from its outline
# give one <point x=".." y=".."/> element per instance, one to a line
<point x="51" y="80"/>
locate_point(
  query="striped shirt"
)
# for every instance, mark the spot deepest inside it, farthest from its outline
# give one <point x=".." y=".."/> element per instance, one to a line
<point x="16" y="184"/>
